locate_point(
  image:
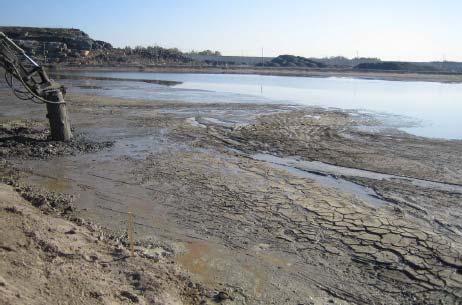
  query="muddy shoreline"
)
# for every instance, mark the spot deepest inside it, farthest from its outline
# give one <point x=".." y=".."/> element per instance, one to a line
<point x="84" y="77"/>
<point x="266" y="234"/>
<point x="348" y="73"/>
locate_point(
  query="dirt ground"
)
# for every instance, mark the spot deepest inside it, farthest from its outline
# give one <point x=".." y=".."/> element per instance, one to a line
<point x="46" y="259"/>
<point x="379" y="223"/>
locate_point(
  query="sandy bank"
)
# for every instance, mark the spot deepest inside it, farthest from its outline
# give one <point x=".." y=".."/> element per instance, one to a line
<point x="48" y="259"/>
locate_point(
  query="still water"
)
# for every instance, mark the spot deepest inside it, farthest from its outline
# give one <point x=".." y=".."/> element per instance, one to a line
<point x="427" y="109"/>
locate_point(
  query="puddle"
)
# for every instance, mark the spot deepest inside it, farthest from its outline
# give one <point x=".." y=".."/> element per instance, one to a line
<point x="58" y="185"/>
<point x="329" y="169"/>
<point x="196" y="260"/>
<point x="214" y="264"/>
<point x="366" y="194"/>
<point x="193" y="122"/>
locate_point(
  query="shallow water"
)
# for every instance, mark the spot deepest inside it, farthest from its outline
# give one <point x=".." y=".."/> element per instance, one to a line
<point x="425" y="108"/>
<point x="335" y="171"/>
<point x="366" y="194"/>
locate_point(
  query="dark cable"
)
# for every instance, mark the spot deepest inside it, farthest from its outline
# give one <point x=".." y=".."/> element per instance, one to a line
<point x="12" y="72"/>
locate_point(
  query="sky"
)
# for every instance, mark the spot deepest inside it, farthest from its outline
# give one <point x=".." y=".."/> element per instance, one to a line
<point x="409" y="30"/>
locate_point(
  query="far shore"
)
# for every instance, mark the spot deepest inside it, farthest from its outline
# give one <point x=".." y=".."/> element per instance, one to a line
<point x="295" y="72"/>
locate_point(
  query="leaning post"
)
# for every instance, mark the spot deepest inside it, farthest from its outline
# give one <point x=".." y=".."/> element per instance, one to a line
<point x="60" y="128"/>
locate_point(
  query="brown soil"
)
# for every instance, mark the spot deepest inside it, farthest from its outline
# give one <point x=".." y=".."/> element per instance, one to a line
<point x="46" y="259"/>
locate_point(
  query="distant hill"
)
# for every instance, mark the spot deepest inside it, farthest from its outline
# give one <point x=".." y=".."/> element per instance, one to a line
<point x="445" y="66"/>
<point x="221" y="60"/>
<point x="69" y="46"/>
<point x="343" y="62"/>
<point x="395" y="66"/>
<point x="288" y="61"/>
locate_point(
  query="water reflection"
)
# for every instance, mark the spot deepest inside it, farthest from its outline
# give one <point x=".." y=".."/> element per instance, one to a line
<point x="436" y="106"/>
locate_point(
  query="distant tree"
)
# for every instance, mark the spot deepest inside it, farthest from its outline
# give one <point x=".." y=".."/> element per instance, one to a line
<point x="128" y="50"/>
<point x="205" y="53"/>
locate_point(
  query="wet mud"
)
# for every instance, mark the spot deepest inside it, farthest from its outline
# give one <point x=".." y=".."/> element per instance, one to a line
<point x="86" y="77"/>
<point x="266" y="234"/>
<point x="31" y="139"/>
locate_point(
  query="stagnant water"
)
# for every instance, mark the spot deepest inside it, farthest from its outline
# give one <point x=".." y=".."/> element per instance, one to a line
<point x="424" y="108"/>
<point x="328" y="179"/>
<point x="329" y="175"/>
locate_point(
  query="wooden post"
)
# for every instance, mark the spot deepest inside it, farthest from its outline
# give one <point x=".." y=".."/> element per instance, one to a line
<point x="130" y="233"/>
<point x="60" y="127"/>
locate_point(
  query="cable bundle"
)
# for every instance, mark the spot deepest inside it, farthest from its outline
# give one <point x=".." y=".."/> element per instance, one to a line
<point x="20" y="67"/>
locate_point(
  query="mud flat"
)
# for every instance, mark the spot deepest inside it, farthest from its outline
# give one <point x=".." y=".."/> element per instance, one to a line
<point x="257" y="230"/>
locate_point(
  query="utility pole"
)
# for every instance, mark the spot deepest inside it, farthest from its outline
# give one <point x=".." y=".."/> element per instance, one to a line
<point x="44" y="54"/>
<point x="262" y="57"/>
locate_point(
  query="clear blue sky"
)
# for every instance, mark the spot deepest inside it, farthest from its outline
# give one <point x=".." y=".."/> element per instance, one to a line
<point x="389" y="29"/>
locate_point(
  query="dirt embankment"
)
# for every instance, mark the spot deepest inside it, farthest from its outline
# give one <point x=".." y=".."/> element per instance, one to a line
<point x="49" y="256"/>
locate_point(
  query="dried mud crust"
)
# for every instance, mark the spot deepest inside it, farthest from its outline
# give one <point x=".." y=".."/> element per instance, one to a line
<point x="31" y="139"/>
<point x="49" y="260"/>
<point x="351" y="251"/>
<point x="332" y="137"/>
<point x="441" y="209"/>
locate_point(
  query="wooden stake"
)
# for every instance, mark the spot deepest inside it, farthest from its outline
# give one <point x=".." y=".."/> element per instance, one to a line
<point x="60" y="127"/>
<point x="130" y="233"/>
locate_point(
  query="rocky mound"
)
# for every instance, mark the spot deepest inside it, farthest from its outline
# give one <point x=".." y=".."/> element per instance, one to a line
<point x="54" y="43"/>
<point x="395" y="66"/>
<point x="73" y="46"/>
<point x="292" y="61"/>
